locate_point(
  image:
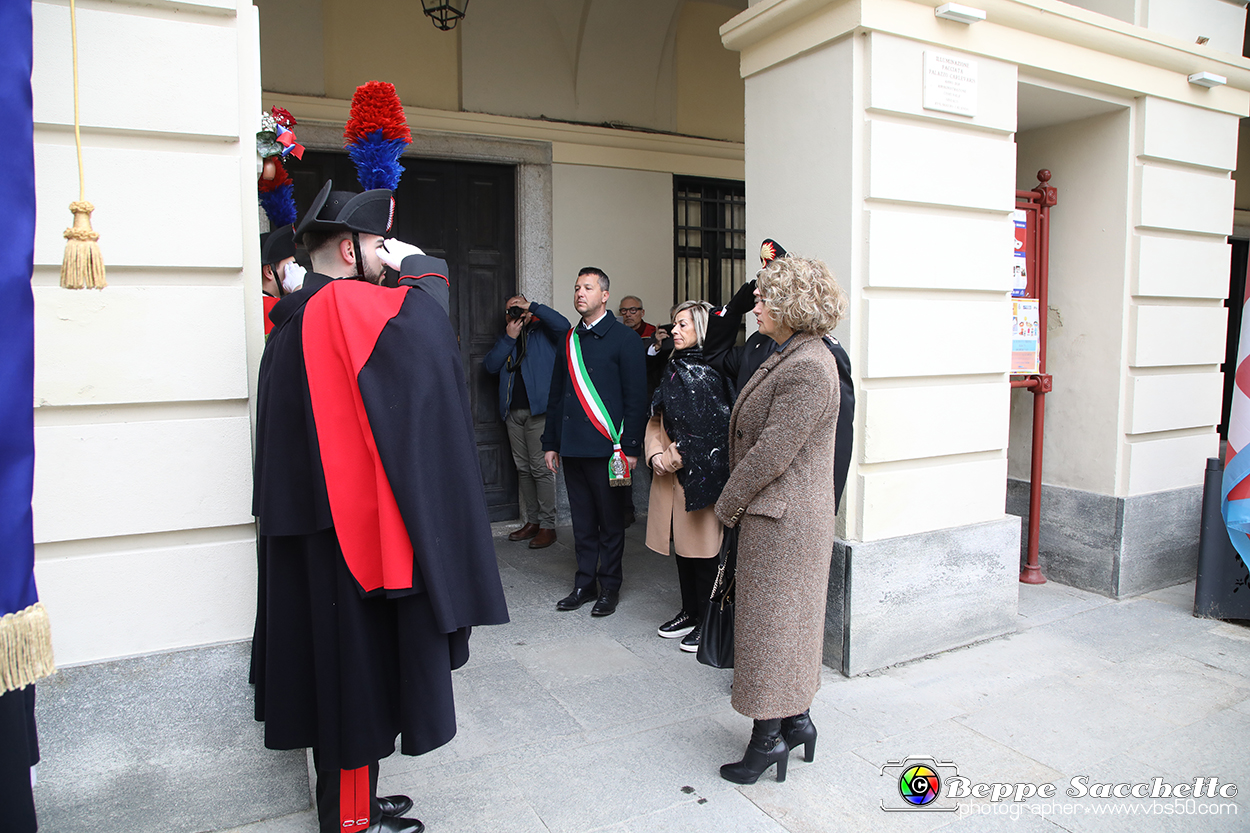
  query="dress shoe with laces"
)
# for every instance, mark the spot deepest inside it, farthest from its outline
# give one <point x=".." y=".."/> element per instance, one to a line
<point x="606" y="605"/>
<point x="577" y="598"/>
<point x="394" y="805"/>
<point x="544" y="538"/>
<point x="527" y="531"/>
<point x="389" y="824"/>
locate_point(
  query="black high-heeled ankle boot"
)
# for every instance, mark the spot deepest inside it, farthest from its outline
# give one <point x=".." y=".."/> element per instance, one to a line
<point x="800" y="731"/>
<point x="767" y="747"/>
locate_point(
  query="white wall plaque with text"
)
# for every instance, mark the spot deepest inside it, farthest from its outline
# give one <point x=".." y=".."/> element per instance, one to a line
<point x="950" y="84"/>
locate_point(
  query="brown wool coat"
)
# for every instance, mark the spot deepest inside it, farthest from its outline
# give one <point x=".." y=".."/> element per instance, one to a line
<point x="694" y="534"/>
<point x="780" y="491"/>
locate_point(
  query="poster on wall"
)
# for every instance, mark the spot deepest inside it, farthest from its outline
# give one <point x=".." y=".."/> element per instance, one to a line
<point x="1019" y="269"/>
<point x="1026" y="336"/>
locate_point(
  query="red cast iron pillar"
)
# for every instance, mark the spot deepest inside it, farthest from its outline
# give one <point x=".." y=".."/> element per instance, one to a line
<point x="1043" y="197"/>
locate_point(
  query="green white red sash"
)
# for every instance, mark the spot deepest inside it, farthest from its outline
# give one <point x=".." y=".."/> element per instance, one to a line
<point x="618" y="466"/>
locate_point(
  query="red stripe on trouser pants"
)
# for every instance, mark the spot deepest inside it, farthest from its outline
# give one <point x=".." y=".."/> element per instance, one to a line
<point x="354" y="795"/>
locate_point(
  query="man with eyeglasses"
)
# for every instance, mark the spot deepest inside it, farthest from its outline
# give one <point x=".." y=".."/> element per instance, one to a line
<point x="631" y="313"/>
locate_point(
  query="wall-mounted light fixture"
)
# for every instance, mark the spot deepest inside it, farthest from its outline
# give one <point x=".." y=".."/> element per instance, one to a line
<point x="958" y="13"/>
<point x="1207" y="79"/>
<point x="445" y="13"/>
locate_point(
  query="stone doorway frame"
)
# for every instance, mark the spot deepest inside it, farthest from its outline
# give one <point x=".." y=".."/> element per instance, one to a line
<point x="532" y="162"/>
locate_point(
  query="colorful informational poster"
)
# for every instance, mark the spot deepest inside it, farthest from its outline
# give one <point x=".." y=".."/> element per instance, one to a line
<point x="1026" y="337"/>
<point x="1019" y="271"/>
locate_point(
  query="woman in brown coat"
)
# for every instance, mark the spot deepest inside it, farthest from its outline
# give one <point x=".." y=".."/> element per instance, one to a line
<point x="686" y="446"/>
<point x="781" y="493"/>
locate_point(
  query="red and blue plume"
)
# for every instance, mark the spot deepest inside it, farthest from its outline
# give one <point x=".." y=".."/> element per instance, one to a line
<point x="377" y="133"/>
<point x="277" y="196"/>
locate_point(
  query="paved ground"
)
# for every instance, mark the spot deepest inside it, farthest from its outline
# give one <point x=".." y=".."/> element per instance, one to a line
<point x="569" y="723"/>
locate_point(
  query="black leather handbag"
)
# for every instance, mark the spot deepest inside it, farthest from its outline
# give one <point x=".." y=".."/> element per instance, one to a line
<point x="716" y="645"/>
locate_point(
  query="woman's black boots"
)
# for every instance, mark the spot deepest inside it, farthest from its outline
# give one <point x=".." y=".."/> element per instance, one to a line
<point x="800" y="731"/>
<point x="767" y="747"/>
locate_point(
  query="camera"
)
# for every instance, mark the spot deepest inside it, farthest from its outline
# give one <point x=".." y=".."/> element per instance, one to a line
<point x="514" y="313"/>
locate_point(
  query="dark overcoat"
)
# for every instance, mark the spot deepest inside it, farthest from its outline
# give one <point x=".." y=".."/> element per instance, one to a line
<point x="616" y="361"/>
<point x="375" y="553"/>
<point x="780" y="491"/>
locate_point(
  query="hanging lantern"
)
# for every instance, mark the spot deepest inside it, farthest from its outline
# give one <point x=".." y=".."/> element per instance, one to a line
<point x="445" y="13"/>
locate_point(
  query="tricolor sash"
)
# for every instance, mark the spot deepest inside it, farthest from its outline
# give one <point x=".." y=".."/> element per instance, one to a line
<point x="618" y="466"/>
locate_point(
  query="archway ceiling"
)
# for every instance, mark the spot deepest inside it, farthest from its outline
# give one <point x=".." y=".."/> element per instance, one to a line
<point x="577" y="60"/>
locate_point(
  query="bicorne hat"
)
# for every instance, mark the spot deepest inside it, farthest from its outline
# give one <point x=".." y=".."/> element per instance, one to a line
<point x="278" y="245"/>
<point x="369" y="213"/>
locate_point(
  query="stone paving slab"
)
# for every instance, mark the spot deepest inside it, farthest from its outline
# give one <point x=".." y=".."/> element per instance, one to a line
<point x="575" y="724"/>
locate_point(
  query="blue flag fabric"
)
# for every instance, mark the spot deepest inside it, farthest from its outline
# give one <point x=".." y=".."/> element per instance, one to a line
<point x="17" y="323"/>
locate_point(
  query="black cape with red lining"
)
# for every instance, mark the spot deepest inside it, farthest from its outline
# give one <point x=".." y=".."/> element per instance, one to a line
<point x="339" y="666"/>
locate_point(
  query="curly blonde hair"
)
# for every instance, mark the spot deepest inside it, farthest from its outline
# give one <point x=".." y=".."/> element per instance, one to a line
<point x="802" y="294"/>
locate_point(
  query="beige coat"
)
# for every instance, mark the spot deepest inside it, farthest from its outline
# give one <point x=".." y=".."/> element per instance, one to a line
<point x="780" y="491"/>
<point x="694" y="534"/>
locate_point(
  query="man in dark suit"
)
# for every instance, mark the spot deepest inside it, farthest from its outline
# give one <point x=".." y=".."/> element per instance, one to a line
<point x="740" y="363"/>
<point x="596" y="416"/>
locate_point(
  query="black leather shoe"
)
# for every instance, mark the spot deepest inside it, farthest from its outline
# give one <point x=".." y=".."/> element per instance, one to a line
<point x="397" y="825"/>
<point x="606" y="605"/>
<point x="767" y="747"/>
<point x="577" y="598"/>
<point x="800" y="731"/>
<point x="394" y="805"/>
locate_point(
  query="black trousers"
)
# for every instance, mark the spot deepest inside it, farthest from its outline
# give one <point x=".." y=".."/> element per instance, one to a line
<point x="598" y="522"/>
<point x="19" y="751"/>
<point x="625" y="494"/>
<point x="329" y="777"/>
<point x="696" y="576"/>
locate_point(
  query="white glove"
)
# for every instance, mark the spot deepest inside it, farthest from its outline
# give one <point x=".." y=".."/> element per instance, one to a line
<point x="293" y="277"/>
<point x="394" y="251"/>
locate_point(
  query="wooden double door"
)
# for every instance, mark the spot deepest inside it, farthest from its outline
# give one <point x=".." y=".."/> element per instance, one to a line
<point x="464" y="213"/>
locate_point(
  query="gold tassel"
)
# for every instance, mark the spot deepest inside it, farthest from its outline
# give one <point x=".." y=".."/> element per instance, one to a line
<point x="83" y="266"/>
<point x="25" y="648"/>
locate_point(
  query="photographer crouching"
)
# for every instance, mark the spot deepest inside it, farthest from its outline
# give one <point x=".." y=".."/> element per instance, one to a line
<point x="524" y="358"/>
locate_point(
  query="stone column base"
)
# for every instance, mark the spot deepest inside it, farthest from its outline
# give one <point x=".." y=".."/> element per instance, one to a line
<point x="160" y="742"/>
<point x="1115" y="546"/>
<point x="908" y="597"/>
